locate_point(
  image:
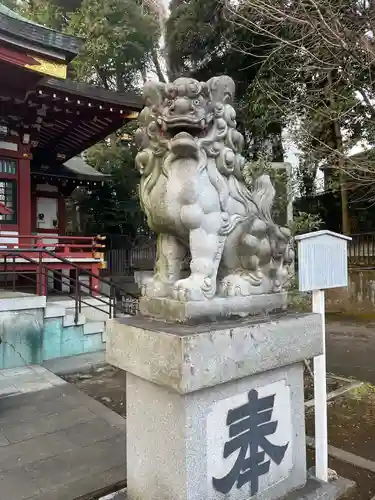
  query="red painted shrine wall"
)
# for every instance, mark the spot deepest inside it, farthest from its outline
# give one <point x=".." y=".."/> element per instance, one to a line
<point x="23" y="190"/>
<point x="26" y="199"/>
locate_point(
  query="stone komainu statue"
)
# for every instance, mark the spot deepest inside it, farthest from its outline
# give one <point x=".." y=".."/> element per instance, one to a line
<point x="193" y="193"/>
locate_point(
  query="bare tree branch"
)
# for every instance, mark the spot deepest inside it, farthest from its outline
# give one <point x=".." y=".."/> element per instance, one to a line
<point x="319" y="72"/>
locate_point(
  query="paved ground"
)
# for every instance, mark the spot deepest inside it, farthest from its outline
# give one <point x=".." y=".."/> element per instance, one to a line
<point x="351" y="349"/>
<point x="56" y="443"/>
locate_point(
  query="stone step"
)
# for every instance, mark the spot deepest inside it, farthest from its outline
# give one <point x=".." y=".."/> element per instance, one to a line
<point x="69" y="320"/>
<point x="52" y="311"/>
<point x="93" y="327"/>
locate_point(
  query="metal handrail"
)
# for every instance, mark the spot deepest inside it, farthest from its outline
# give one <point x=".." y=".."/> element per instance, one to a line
<point x="78" y="285"/>
<point x="65" y="261"/>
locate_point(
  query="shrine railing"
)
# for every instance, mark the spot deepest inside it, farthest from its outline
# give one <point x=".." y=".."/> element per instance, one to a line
<point x="67" y="246"/>
<point x="112" y="299"/>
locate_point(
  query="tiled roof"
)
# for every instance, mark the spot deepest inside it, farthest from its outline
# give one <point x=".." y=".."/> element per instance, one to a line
<point x="13" y="24"/>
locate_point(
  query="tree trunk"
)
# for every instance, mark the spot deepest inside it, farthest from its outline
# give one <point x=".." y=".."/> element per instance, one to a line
<point x="277" y="145"/>
<point x="158" y="69"/>
<point x="344" y="204"/>
<point x="345" y="219"/>
<point x="119" y="81"/>
<point x="144" y="75"/>
<point x="102" y="77"/>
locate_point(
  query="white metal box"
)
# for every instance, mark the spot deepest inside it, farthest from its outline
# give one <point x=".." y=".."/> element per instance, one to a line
<point x="322" y="260"/>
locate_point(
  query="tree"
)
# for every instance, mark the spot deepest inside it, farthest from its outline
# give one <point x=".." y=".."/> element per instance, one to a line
<point x="319" y="75"/>
<point x="202" y="42"/>
<point x="119" y="39"/>
<point x="113" y="208"/>
<point x="121" y="44"/>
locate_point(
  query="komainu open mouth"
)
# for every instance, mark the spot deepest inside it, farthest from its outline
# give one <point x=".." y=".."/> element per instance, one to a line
<point x="177" y="125"/>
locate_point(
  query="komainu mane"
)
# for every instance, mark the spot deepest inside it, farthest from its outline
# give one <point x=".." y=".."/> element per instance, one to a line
<point x="193" y="193"/>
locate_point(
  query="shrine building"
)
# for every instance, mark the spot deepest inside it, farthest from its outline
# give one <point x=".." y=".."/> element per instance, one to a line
<point x="53" y="301"/>
<point x="46" y="122"/>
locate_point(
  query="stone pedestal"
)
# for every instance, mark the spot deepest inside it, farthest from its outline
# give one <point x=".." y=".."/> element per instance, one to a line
<point x="216" y="309"/>
<point x="215" y="411"/>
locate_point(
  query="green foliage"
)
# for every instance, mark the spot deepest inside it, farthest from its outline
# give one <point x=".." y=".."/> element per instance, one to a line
<point x="114" y="207"/>
<point x="202" y="41"/>
<point x="304" y="222"/>
<point x="121" y="38"/>
<point x="44" y="12"/>
<point x="195" y="35"/>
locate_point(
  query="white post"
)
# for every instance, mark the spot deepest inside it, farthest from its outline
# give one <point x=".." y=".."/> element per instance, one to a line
<point x="320" y="395"/>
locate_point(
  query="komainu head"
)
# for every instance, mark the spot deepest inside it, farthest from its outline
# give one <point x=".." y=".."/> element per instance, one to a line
<point x="187" y="105"/>
<point x="187" y="118"/>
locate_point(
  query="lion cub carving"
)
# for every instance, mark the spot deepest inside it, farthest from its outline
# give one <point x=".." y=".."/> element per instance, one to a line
<point x="195" y="199"/>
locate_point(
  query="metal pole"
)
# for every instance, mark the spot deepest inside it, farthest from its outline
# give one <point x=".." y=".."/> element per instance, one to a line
<point x="79" y="294"/>
<point x="6" y="272"/>
<point x="320" y="395"/>
<point x="112" y="303"/>
<point x="14" y="275"/>
<point x="76" y="299"/>
<point x="40" y="276"/>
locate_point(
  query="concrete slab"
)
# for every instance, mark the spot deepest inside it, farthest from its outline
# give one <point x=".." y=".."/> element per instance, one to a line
<point x="52" y="423"/>
<point x="7" y="390"/>
<point x="38" y="385"/>
<point x="18" y="301"/>
<point x="56" y="442"/>
<point x="69" y="320"/>
<point x="72" y="364"/>
<point x="71" y="466"/>
<point x="14" y="372"/>
<point x="104" y="482"/>
<point x="54" y="311"/>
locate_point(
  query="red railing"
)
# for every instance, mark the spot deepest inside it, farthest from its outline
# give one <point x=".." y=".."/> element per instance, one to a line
<point x="67" y="246"/>
<point x="111" y="300"/>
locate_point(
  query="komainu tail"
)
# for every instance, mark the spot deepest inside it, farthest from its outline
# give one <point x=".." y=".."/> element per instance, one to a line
<point x="263" y="194"/>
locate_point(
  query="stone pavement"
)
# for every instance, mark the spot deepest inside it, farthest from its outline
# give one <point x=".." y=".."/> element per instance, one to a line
<point x="56" y="443"/>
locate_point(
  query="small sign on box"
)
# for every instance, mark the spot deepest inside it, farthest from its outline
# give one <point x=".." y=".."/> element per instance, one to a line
<point x="322" y="260"/>
<point x="322" y="264"/>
